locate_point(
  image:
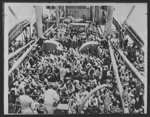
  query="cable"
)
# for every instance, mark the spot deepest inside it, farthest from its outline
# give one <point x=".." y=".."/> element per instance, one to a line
<point x="133" y="7"/>
<point x="13" y="13"/>
<point x="32" y="15"/>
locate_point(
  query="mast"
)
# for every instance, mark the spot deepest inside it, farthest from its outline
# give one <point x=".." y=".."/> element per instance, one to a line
<point x="115" y="68"/>
<point x="108" y="29"/>
<point x="129" y="14"/>
<point x="38" y="11"/>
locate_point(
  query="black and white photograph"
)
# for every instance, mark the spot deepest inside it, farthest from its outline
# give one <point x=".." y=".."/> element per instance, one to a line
<point x="75" y="58"/>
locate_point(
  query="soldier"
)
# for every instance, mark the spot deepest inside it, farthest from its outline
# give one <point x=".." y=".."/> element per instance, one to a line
<point x="51" y="99"/>
<point x="27" y="103"/>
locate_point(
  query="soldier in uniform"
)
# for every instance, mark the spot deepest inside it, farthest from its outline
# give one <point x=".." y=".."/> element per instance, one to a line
<point x="51" y="99"/>
<point x="27" y="103"/>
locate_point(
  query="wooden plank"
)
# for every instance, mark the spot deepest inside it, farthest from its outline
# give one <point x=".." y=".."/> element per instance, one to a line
<point x="17" y="51"/>
<point x="17" y="30"/>
<point x="48" y="29"/>
<point x="136" y="72"/>
<point x="134" y="36"/>
<point x="115" y="68"/>
<point x="21" y="59"/>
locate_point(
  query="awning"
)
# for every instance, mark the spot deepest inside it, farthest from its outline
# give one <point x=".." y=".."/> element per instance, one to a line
<point x="79" y="24"/>
<point x="50" y="45"/>
<point x="89" y="44"/>
<point x="67" y="20"/>
<point x="78" y="20"/>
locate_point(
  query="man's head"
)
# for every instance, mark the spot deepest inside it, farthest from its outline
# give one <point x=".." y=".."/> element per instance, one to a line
<point x="27" y="91"/>
<point x="54" y="86"/>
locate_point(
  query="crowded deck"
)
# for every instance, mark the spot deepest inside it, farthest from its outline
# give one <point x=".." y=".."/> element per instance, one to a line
<point x="76" y="66"/>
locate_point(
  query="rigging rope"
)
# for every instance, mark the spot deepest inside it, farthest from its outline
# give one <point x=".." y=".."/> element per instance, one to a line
<point x="13" y="13"/>
<point x="32" y="14"/>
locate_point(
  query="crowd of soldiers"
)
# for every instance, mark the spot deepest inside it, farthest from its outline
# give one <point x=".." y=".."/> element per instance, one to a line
<point x="46" y="79"/>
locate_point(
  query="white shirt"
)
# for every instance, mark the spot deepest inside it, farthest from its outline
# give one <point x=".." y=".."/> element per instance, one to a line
<point x="27" y="104"/>
<point x="50" y="97"/>
<point x="22" y="85"/>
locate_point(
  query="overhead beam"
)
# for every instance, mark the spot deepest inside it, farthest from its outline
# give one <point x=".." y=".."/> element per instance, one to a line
<point x="22" y="57"/>
<point x="22" y="25"/>
<point x="130" y="31"/>
<point x="117" y="25"/>
<point x="136" y="72"/>
<point x="16" y="31"/>
<point x="48" y="30"/>
<point x="115" y="68"/>
<point x="17" y="51"/>
<point x="135" y="36"/>
<point x="138" y="75"/>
